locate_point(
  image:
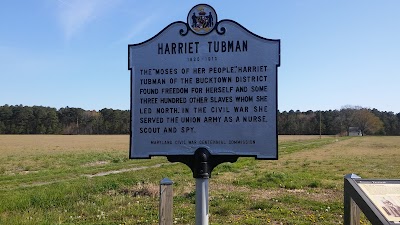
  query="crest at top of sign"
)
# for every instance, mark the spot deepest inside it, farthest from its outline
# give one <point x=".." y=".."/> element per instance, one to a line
<point x="202" y="19"/>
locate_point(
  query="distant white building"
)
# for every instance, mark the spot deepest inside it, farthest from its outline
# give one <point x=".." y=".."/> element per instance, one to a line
<point x="355" y="131"/>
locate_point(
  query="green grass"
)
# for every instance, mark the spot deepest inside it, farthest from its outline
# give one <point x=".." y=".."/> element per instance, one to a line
<point x="305" y="186"/>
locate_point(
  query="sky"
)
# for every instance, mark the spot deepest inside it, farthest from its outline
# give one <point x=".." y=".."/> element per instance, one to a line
<point x="74" y="53"/>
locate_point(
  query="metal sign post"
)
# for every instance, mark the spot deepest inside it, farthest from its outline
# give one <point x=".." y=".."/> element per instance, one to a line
<point x="202" y="201"/>
<point x="202" y="163"/>
<point x="204" y="92"/>
<point x="201" y="159"/>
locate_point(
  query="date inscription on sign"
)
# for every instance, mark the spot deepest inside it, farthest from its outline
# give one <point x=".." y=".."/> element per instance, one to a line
<point x="204" y="83"/>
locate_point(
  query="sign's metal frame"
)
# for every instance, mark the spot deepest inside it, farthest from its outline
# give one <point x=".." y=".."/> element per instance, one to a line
<point x="352" y="191"/>
<point x="219" y="28"/>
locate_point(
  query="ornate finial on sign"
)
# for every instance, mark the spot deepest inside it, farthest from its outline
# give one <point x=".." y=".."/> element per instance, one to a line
<point x="202" y="19"/>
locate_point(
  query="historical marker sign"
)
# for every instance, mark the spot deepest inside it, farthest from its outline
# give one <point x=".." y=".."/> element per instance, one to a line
<point x="204" y="83"/>
<point x="385" y="195"/>
<point x="378" y="199"/>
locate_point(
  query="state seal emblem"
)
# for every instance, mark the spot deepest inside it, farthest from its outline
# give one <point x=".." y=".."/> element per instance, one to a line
<point x="202" y="19"/>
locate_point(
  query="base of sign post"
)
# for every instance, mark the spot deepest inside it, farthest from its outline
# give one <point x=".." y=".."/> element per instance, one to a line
<point x="201" y="201"/>
<point x="202" y="163"/>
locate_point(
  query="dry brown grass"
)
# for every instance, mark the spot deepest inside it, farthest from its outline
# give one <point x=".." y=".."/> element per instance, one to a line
<point x="356" y="148"/>
<point x="60" y="144"/>
<point x="284" y="138"/>
<point x="56" y="144"/>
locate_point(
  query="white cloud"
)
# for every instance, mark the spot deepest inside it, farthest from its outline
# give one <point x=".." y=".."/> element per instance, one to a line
<point x="74" y="15"/>
<point x="138" y="28"/>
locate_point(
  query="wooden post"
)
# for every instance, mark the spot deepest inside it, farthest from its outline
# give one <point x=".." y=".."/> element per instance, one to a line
<point x="351" y="209"/>
<point x="166" y="202"/>
<point x="354" y="213"/>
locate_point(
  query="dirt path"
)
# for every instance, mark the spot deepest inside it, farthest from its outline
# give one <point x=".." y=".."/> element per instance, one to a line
<point x="105" y="173"/>
<point x="123" y="170"/>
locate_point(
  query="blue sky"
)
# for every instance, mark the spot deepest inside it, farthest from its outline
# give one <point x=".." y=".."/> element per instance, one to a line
<point x="73" y="53"/>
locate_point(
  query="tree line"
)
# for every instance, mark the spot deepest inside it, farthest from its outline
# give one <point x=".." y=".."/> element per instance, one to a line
<point x="337" y="122"/>
<point x="21" y="119"/>
<point x="46" y="120"/>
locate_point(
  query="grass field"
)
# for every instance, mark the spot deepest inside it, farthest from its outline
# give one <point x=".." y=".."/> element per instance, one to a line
<point x="47" y="179"/>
